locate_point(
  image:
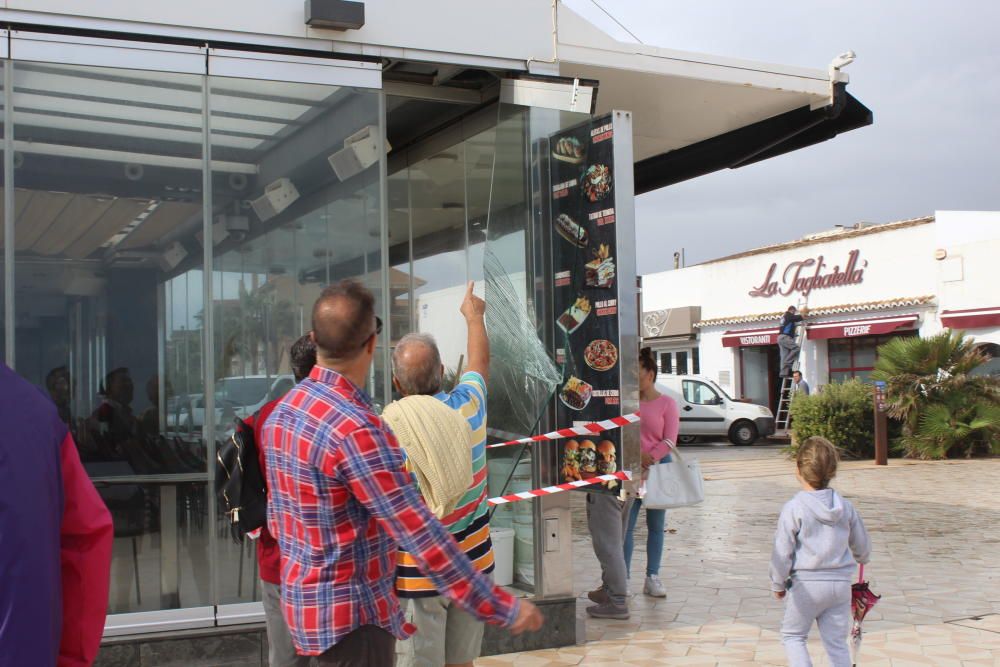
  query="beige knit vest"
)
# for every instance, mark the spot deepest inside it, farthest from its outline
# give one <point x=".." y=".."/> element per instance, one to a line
<point x="437" y="440"/>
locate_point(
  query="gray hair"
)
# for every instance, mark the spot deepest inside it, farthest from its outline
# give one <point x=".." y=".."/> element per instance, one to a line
<point x="418" y="379"/>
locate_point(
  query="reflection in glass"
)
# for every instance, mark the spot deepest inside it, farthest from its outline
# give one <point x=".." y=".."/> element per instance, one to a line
<point x="107" y="273"/>
<point x="840" y="353"/>
<point x="287" y="223"/>
<point x="440" y="260"/>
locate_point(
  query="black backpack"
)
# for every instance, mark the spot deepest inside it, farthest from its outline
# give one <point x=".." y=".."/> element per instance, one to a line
<point x="240" y="483"/>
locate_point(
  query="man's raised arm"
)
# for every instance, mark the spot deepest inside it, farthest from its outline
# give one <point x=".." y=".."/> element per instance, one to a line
<point x="474" y="310"/>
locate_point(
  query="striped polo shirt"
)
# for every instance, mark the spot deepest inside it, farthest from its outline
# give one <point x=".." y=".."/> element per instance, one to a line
<point x="469" y="522"/>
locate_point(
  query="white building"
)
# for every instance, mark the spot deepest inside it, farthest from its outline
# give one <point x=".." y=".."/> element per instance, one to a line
<point x="862" y="284"/>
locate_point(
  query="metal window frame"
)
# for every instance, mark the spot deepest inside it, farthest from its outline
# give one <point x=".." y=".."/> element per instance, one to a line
<point x="164" y="620"/>
<point x="294" y="69"/>
<point x="97" y="52"/>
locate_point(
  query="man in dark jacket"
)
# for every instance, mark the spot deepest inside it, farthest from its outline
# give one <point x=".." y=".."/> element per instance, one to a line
<point x="787" y="340"/>
<point x="55" y="537"/>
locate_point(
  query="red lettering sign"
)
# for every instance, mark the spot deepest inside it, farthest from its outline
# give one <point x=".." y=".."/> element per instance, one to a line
<point x="807" y="275"/>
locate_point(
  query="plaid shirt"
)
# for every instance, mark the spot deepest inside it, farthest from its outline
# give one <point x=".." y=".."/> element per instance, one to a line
<point x="340" y="504"/>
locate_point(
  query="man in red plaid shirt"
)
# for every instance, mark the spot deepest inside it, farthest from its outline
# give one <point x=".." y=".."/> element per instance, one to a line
<point x="341" y="503"/>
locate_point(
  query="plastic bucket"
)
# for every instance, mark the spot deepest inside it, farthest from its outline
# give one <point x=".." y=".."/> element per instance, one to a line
<point x="524" y="549"/>
<point x="503" y="555"/>
<point x="524" y="561"/>
<point x="521" y="481"/>
<point x="498" y="470"/>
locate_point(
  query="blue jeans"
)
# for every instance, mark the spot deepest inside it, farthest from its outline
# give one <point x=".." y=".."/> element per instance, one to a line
<point x="656" y="522"/>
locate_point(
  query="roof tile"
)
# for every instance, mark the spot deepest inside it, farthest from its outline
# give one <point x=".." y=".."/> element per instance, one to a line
<point x="899" y="302"/>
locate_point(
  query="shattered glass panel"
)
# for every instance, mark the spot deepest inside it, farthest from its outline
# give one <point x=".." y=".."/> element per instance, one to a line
<point x="522" y="374"/>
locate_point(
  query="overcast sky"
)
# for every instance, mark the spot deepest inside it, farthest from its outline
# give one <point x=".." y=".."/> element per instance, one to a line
<point x="930" y="72"/>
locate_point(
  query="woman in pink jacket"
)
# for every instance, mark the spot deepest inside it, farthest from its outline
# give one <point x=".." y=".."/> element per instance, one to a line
<point x="660" y="423"/>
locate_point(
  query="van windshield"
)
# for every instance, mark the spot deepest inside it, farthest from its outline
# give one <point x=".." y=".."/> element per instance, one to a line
<point x="719" y="389"/>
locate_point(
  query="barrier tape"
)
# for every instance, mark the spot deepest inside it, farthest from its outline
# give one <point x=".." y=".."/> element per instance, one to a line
<point x="587" y="429"/>
<point x="549" y="490"/>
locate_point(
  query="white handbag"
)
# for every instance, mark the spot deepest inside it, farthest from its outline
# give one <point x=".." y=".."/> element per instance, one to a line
<point x="675" y="484"/>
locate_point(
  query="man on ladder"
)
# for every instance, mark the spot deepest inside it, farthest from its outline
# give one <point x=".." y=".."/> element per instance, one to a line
<point x="790" y="344"/>
<point x="788" y="340"/>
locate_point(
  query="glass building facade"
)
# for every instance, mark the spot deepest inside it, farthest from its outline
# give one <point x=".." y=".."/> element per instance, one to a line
<point x="171" y="213"/>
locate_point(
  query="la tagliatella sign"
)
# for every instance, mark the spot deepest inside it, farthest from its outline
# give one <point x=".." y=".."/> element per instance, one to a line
<point x="811" y="274"/>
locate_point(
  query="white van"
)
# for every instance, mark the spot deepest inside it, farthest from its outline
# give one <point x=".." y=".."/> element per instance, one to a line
<point x="707" y="410"/>
<point x="238" y="396"/>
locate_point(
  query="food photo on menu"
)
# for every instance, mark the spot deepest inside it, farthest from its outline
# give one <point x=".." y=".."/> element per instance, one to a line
<point x="572" y="231"/>
<point x="601" y="355"/>
<point x="575" y="315"/>
<point x="588" y="458"/>
<point x="600" y="271"/>
<point x="607" y="461"/>
<point x="568" y="149"/>
<point x="576" y="393"/>
<point x="596" y="182"/>
<point x="571" y="461"/>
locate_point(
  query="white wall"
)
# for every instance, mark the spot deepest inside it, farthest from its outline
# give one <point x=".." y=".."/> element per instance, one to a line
<point x="438" y="315"/>
<point x="516" y="29"/>
<point x="900" y="263"/>
<point x="969" y="277"/>
<point x="716" y="359"/>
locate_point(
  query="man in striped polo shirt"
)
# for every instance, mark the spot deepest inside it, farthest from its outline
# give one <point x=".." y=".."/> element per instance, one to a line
<point x="446" y="634"/>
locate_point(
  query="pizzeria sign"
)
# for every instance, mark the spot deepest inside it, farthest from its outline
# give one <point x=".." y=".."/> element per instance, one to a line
<point x="815" y="273"/>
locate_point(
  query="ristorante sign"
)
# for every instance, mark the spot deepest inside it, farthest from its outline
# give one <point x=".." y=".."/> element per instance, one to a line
<point x="811" y="274"/>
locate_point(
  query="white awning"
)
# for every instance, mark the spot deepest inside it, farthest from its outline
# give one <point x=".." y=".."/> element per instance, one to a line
<point x="679" y="99"/>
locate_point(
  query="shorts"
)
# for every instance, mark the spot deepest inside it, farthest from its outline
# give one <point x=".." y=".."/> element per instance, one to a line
<point x="446" y="633"/>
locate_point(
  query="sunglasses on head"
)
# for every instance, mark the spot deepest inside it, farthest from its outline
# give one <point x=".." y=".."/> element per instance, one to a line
<point x="377" y="332"/>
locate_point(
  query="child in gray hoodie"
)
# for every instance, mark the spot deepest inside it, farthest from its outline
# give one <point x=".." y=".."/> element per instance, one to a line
<point x="819" y="541"/>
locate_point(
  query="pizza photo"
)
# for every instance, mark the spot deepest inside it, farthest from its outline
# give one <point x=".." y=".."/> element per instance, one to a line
<point x="601" y="355"/>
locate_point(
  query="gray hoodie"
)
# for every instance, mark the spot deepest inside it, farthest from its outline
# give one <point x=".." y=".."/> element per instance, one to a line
<point x="820" y="537"/>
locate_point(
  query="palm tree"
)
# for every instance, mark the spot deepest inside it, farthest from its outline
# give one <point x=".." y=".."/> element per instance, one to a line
<point x="255" y="319"/>
<point x="949" y="426"/>
<point x="931" y="389"/>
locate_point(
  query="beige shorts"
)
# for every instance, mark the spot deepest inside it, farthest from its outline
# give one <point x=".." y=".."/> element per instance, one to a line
<point x="446" y="634"/>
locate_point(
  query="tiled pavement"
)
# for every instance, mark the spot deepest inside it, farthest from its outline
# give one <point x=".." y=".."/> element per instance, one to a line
<point x="936" y="539"/>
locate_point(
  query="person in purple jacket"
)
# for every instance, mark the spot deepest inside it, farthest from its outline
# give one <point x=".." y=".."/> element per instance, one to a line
<point x="55" y="537"/>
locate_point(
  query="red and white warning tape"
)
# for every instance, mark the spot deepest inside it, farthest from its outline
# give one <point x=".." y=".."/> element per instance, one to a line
<point x="549" y="490"/>
<point x="586" y="429"/>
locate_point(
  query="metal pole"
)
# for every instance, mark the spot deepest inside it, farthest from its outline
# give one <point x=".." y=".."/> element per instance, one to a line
<point x="383" y="209"/>
<point x="208" y="324"/>
<point x="881" y="425"/>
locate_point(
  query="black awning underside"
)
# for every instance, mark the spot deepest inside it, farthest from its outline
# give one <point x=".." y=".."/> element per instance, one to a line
<point x="769" y="138"/>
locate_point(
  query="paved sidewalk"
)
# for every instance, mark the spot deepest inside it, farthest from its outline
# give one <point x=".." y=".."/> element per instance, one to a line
<point x="936" y="539"/>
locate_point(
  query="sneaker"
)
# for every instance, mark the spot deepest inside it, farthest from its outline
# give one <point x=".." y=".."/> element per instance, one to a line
<point x="600" y="596"/>
<point x="654" y="587"/>
<point x="609" y="610"/>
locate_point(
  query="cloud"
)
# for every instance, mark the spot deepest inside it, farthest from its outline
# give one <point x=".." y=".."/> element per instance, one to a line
<point x="928" y="70"/>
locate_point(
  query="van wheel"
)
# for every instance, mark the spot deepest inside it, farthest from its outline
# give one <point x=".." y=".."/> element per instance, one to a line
<point x="743" y="433"/>
<point x="687" y="439"/>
